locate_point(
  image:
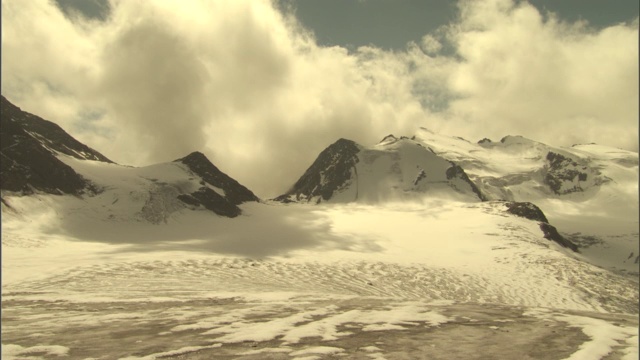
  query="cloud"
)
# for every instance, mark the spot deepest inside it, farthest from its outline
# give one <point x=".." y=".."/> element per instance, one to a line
<point x="246" y="84"/>
<point x="529" y="73"/>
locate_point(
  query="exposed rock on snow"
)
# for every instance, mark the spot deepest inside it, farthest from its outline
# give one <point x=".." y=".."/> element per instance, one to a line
<point x="456" y="172"/>
<point x="551" y="233"/>
<point x="330" y="172"/>
<point x="532" y="212"/>
<point x="222" y="204"/>
<point x="564" y="175"/>
<point x="212" y="201"/>
<point x="526" y="210"/>
<point x="234" y="192"/>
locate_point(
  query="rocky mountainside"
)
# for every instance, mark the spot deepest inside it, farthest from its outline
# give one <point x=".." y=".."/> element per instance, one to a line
<point x="394" y="169"/>
<point x="40" y="157"/>
<point x="29" y="151"/>
<point x="219" y="192"/>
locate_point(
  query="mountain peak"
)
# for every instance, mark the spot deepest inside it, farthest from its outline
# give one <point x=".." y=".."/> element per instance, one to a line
<point x="395" y="168"/>
<point x="388" y="138"/>
<point x="194" y="156"/>
<point x="328" y="173"/>
<point x="199" y="164"/>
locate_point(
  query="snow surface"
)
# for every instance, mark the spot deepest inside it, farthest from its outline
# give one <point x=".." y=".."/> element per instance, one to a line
<point x="131" y="274"/>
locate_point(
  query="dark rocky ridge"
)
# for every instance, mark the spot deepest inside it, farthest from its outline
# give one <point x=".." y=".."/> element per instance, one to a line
<point x="455" y="171"/>
<point x="328" y="173"/>
<point x="526" y="210"/>
<point x="29" y="162"/>
<point x="532" y="212"/>
<point x="234" y="193"/>
<point x="551" y="233"/>
<point x="561" y="169"/>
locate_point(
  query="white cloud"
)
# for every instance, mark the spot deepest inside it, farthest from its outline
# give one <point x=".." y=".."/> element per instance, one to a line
<point x="555" y="82"/>
<point x="249" y="87"/>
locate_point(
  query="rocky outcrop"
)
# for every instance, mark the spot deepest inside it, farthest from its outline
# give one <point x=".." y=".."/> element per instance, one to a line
<point x="564" y="175"/>
<point x="532" y="212"/>
<point x="526" y="210"/>
<point x="551" y="233"/>
<point x="233" y="193"/>
<point x="212" y="201"/>
<point x="455" y="171"/>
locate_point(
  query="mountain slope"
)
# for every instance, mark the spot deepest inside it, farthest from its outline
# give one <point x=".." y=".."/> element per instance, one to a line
<point x="39" y="157"/>
<point x="520" y="169"/>
<point x="394" y="169"/>
<point x="590" y="192"/>
<point x="29" y="151"/>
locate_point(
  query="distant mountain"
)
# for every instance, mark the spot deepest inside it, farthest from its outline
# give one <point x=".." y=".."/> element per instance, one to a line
<point x="520" y="169"/>
<point x="589" y="191"/>
<point x="39" y="157"/>
<point x="394" y="169"/>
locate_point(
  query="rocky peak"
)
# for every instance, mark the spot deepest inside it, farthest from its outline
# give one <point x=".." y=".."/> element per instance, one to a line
<point x="331" y="170"/>
<point x="199" y="164"/>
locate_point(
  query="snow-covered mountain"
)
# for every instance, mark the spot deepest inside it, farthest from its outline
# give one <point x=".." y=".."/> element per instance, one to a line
<point x="29" y="161"/>
<point x="520" y="169"/>
<point x="394" y="169"/>
<point x="38" y="156"/>
<point x="588" y="191"/>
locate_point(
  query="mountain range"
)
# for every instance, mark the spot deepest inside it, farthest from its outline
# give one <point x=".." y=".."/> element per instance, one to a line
<point x="513" y="240"/>
<point x="39" y="157"/>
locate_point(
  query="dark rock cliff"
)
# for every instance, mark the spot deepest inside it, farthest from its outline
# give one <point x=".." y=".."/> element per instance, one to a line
<point x="29" y="159"/>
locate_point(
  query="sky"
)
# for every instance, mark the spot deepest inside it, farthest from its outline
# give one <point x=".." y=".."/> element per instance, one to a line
<point x="262" y="87"/>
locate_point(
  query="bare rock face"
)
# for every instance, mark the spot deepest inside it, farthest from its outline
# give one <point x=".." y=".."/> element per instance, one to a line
<point x="564" y="175"/>
<point x="551" y="233"/>
<point x="532" y="212"/>
<point x="212" y="201"/>
<point x="328" y="173"/>
<point x="455" y="171"/>
<point x="226" y="194"/>
<point x="30" y="146"/>
<point x="526" y="210"/>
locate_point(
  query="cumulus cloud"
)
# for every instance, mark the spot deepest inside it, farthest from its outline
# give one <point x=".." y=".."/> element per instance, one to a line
<point x="246" y="84"/>
<point x="529" y="73"/>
